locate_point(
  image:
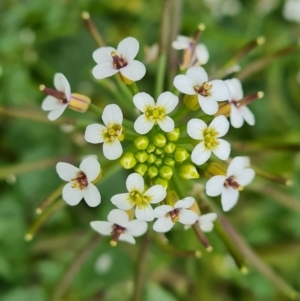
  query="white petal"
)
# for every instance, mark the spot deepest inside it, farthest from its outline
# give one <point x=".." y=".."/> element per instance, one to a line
<point x="156" y="194"/>
<point x="135" y="182"/>
<point x="104" y="70"/>
<point x="163" y="224"/>
<point x="122" y="201"/>
<point x="127" y="237"/>
<point x="145" y="213"/>
<point x="206" y="221"/>
<point x="167" y="124"/>
<point x="112" y="150"/>
<point x="118" y="217"/>
<point x="219" y="90"/>
<point x="195" y="128"/>
<point x="167" y="100"/>
<point x="220" y="124"/>
<point x="103" y="55"/>
<point x="137" y="228"/>
<point x="235" y="89"/>
<point x="184" y="84"/>
<point x="200" y="154"/>
<point x="185" y="203"/>
<point x="112" y="114"/>
<point x="128" y="48"/>
<point x="134" y="71"/>
<point x="245" y="177"/>
<point x="66" y="171"/>
<point x="102" y="227"/>
<point x="143" y="100"/>
<point x="236" y="118"/>
<point x="182" y="42"/>
<point x="202" y="54"/>
<point x="236" y="166"/>
<point x="187" y="217"/>
<point x="91" y="195"/>
<point x="223" y="149"/>
<point x="93" y="133"/>
<point x="162" y="210"/>
<point x="229" y="198"/>
<point x="247" y="115"/>
<point x="71" y="195"/>
<point x="50" y="103"/>
<point x="198" y="75"/>
<point x="62" y="84"/>
<point x="54" y="114"/>
<point x="91" y="167"/>
<point x="215" y="185"/>
<point x="208" y="104"/>
<point x="143" y="125"/>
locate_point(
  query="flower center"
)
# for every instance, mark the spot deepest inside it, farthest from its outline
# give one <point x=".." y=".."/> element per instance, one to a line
<point x="80" y="181"/>
<point x="210" y="138"/>
<point x="112" y="132"/>
<point x="116" y="231"/>
<point x="119" y="61"/>
<point x="138" y="199"/>
<point x="57" y="94"/>
<point x="204" y="90"/>
<point x="156" y="113"/>
<point x="174" y="214"/>
<point x="230" y="182"/>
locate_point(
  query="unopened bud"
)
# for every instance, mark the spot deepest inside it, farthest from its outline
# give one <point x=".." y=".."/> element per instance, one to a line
<point x="188" y="171"/>
<point x="141" y="156"/>
<point x="152" y="172"/>
<point x="141" y="168"/>
<point x="215" y="169"/>
<point x="191" y="102"/>
<point x="161" y="181"/>
<point x="128" y="160"/>
<point x="166" y="172"/>
<point x="79" y="103"/>
<point x="151" y="148"/>
<point x="181" y="154"/>
<point x="159" y="140"/>
<point x="169" y="161"/>
<point x="174" y="135"/>
<point x="171" y="198"/>
<point x="170" y="147"/>
<point x="151" y="158"/>
<point x="158" y="151"/>
<point x="141" y="143"/>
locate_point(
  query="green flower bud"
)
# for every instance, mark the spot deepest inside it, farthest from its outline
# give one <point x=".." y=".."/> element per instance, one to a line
<point x="214" y="169"/>
<point x="171" y="198"/>
<point x="152" y="172"/>
<point x="141" y="168"/>
<point x="161" y="181"/>
<point x="188" y="171"/>
<point x="141" y="142"/>
<point x="151" y="158"/>
<point x="141" y="156"/>
<point x="174" y="135"/>
<point x="151" y="148"/>
<point x="180" y="154"/>
<point x="158" y="151"/>
<point x="128" y="160"/>
<point x="159" y="140"/>
<point x="169" y="161"/>
<point x="158" y="162"/>
<point x="166" y="172"/>
<point x="170" y="147"/>
<point x="191" y="102"/>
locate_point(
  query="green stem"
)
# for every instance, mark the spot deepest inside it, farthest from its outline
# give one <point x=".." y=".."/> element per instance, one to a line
<point x="162" y="63"/>
<point x="133" y="88"/>
<point x="95" y="109"/>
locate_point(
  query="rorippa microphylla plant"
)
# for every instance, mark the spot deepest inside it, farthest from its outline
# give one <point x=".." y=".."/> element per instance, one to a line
<point x="173" y="144"/>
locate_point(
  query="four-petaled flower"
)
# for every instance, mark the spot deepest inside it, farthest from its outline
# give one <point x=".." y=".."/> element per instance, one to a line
<point x="195" y="82"/>
<point x="80" y="182"/>
<point x="206" y="221"/>
<point x="238" y="113"/>
<point x="111" y="61"/>
<point x="209" y="139"/>
<point x="167" y="215"/>
<point x="120" y="227"/>
<point x="108" y="135"/>
<point x="228" y="186"/>
<point x="137" y="196"/>
<point x="154" y="113"/>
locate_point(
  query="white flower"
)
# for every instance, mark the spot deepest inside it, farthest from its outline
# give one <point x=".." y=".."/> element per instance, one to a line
<point x="238" y="113"/>
<point x="206" y="221"/>
<point x="80" y="182"/>
<point x="291" y="10"/>
<point x="209" y="139"/>
<point x="61" y="98"/>
<point x="167" y="215"/>
<point x="137" y="197"/>
<point x="120" y="227"/>
<point x="154" y="113"/>
<point x="108" y="135"/>
<point x="195" y="82"/>
<point x="111" y="61"/>
<point x="228" y="186"/>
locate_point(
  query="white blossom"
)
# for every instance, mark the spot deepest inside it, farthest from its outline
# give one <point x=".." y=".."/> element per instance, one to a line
<point x="120" y="227"/>
<point x="111" y="61"/>
<point x="167" y="215"/>
<point x="80" y="182"/>
<point x="228" y="186"/>
<point x="206" y="221"/>
<point x="138" y="197"/>
<point x="108" y="135"/>
<point x="209" y="137"/>
<point x="154" y="113"/>
<point x="291" y="10"/>
<point x="195" y="82"/>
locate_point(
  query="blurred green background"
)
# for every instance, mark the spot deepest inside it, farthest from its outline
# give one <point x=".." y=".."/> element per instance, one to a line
<point x="64" y="261"/>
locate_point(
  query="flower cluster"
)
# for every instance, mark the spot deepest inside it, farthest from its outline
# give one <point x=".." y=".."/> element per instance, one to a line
<point x="163" y="153"/>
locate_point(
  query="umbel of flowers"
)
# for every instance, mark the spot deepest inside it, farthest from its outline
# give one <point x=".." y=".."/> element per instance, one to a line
<point x="165" y="153"/>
